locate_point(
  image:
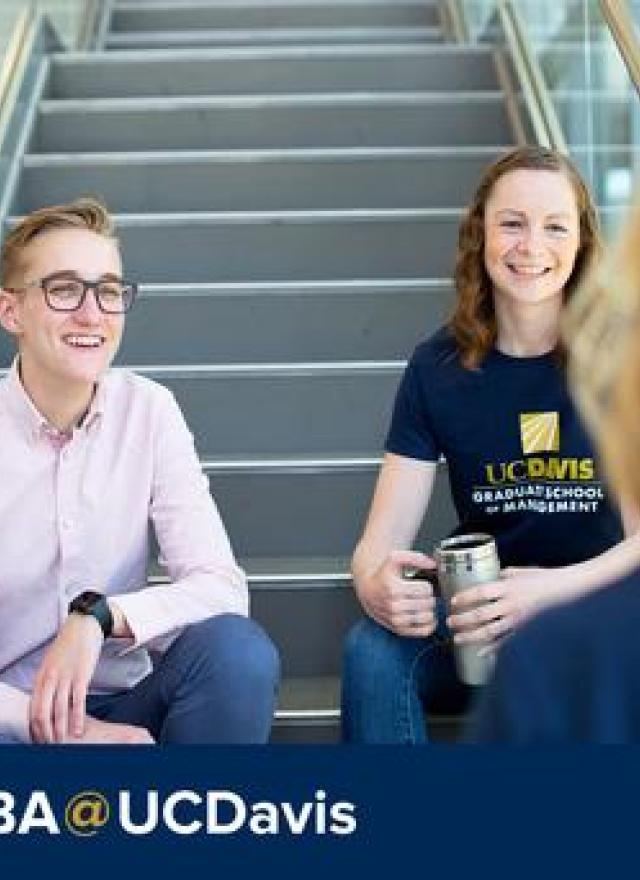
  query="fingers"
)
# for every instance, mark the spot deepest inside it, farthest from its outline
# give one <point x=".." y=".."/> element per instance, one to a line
<point x="406" y="593"/>
<point x="61" y="712"/>
<point x="413" y="558"/>
<point x="78" y="707"/>
<point x="396" y="608"/>
<point x="41" y="710"/>
<point x="57" y="709"/>
<point x="478" y="616"/>
<point x="414" y="620"/>
<point x="413" y="617"/>
<point x="471" y="596"/>
<point x="487" y="633"/>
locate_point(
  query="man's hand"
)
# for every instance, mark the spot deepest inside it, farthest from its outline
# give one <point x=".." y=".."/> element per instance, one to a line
<point x="485" y="614"/>
<point x="107" y="733"/>
<point x="57" y="707"/>
<point x="403" y="605"/>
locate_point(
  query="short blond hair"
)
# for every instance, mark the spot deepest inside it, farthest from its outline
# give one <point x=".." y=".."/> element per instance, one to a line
<point x="84" y="213"/>
<point x="603" y="334"/>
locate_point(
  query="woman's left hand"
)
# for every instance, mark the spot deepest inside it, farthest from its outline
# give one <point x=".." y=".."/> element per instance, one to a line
<point x="485" y="614"/>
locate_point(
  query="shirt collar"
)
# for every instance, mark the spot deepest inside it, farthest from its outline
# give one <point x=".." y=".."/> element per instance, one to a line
<point x="29" y="417"/>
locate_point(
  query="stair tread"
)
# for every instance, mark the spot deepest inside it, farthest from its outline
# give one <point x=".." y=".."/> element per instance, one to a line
<point x="242" y="156"/>
<point x="316" y="694"/>
<point x="301" y="566"/>
<point x="286" y="570"/>
<point x="264" y="288"/>
<point x="331" y="50"/>
<point x="162" y="103"/>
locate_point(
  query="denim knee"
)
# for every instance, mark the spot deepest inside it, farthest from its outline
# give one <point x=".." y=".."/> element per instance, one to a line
<point x="368" y="645"/>
<point x="238" y="645"/>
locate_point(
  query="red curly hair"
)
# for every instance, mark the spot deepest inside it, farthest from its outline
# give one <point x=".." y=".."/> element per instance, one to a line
<point x="473" y="323"/>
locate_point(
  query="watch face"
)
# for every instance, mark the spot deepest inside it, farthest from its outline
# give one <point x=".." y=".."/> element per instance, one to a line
<point x="83" y="603"/>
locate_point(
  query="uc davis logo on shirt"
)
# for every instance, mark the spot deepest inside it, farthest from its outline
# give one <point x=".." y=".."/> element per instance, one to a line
<point x="541" y="480"/>
<point x="539" y="436"/>
<point x="540" y="432"/>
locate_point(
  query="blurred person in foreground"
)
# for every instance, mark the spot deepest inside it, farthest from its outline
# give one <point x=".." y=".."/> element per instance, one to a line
<point x="572" y="674"/>
<point x="92" y="459"/>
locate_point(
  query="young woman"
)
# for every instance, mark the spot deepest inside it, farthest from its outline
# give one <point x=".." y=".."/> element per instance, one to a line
<point x="488" y="393"/>
<point x="572" y="674"/>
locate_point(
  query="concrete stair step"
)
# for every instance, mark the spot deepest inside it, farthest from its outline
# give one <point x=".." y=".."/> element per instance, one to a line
<point x="163" y="16"/>
<point x="308" y="712"/>
<point x="270" y="36"/>
<point x="258" y="180"/>
<point x="260" y="323"/>
<point x="281" y="410"/>
<point x="321" y="510"/>
<point x="288" y="245"/>
<point x="277" y="69"/>
<point x="411" y="119"/>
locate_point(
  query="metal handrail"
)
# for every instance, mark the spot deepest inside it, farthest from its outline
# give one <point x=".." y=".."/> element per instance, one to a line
<point x="542" y="113"/>
<point x="618" y="17"/>
<point x="544" y="118"/>
<point x="456" y="21"/>
<point x="11" y="60"/>
<point x="88" y="24"/>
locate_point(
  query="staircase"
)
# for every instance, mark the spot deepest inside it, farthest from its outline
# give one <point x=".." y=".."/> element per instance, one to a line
<point x="287" y="178"/>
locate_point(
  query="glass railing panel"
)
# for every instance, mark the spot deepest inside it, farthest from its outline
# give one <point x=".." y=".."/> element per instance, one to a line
<point x="65" y="15"/>
<point x="9" y="13"/>
<point x="589" y="85"/>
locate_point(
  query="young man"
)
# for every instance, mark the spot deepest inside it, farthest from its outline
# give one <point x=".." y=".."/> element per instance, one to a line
<point x="90" y="458"/>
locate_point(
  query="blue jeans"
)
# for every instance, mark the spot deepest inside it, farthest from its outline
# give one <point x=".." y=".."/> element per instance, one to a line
<point x="389" y="681"/>
<point x="217" y="683"/>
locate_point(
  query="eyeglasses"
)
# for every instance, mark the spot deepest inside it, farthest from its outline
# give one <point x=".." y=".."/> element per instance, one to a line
<point x="67" y="293"/>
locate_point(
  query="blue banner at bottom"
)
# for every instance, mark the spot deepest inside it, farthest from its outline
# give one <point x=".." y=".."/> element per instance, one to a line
<point x="497" y="812"/>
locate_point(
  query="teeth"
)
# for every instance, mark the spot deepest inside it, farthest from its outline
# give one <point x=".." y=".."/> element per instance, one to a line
<point x="527" y="270"/>
<point x="84" y="341"/>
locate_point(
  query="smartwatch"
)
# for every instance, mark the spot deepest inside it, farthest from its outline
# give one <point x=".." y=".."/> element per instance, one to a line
<point x="95" y="605"/>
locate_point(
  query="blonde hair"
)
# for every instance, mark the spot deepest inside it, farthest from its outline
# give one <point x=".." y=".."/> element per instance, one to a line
<point x="84" y="213"/>
<point x="602" y="329"/>
<point x="473" y="323"/>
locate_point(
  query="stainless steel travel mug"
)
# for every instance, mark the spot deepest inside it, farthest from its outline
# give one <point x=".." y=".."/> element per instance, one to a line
<point x="465" y="561"/>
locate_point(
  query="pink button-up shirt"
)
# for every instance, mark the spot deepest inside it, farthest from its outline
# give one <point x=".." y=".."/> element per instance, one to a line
<point x="75" y="515"/>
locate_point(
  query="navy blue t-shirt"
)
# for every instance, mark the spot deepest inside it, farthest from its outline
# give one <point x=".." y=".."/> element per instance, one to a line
<point x="521" y="465"/>
<point x="569" y="675"/>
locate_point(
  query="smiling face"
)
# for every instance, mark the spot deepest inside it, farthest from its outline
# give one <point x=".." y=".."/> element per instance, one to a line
<point x="62" y="349"/>
<point x="532" y="235"/>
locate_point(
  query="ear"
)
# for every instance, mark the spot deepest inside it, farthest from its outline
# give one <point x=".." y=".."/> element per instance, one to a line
<point x="10" y="312"/>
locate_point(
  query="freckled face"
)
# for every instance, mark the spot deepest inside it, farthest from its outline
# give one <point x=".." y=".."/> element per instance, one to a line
<point x="532" y="235"/>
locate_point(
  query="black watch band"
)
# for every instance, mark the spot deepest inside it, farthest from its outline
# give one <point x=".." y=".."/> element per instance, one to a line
<point x="95" y="605"/>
